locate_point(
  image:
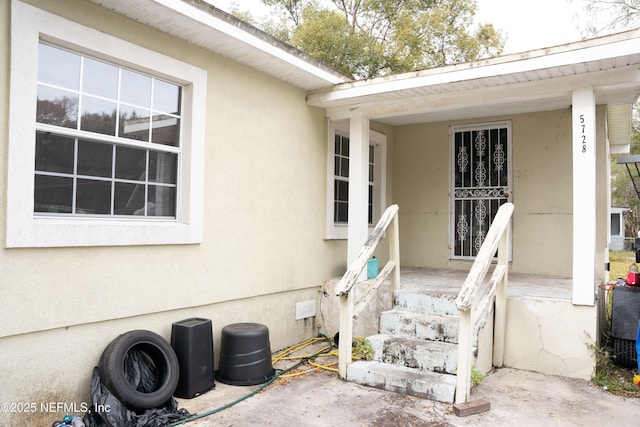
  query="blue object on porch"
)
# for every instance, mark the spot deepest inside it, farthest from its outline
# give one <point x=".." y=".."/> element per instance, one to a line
<point x="372" y="268"/>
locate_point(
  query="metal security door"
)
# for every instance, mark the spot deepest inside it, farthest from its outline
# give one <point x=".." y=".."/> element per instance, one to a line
<point x="481" y="156"/>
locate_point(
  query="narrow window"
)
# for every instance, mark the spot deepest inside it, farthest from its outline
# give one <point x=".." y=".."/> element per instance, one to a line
<point x="341" y="181"/>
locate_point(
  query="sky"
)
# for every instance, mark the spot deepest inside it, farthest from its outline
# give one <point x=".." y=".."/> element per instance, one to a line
<point x="532" y="24"/>
<point x="527" y="24"/>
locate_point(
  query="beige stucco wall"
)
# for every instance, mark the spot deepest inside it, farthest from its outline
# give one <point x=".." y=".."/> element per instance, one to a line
<point x="551" y="336"/>
<point x="263" y="247"/>
<point x="542" y="192"/>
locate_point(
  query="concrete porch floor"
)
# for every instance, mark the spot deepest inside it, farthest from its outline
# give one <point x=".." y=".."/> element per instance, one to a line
<point x="519" y="285"/>
<point x="440" y="281"/>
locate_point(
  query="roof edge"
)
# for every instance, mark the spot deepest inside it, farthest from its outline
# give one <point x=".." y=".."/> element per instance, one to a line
<point x="265" y="37"/>
<point x="530" y="55"/>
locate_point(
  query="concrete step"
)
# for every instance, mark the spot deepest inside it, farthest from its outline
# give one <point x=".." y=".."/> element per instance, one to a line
<point x="402" y="323"/>
<point x="400" y="379"/>
<point x="424" y="355"/>
<point x="421" y="301"/>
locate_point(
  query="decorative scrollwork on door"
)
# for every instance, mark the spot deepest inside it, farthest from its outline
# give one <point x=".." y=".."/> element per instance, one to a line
<point x="480" y="183"/>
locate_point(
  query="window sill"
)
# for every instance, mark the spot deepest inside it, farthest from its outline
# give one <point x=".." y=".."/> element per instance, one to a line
<point x="59" y="232"/>
<point x="340" y="232"/>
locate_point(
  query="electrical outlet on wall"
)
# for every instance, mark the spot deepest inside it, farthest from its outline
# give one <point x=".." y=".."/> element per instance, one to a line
<point x="305" y="309"/>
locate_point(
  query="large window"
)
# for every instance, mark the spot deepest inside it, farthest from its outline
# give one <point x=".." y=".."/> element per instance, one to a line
<point x="106" y="138"/>
<point x="338" y="182"/>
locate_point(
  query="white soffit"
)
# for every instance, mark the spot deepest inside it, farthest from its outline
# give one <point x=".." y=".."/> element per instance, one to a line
<point x="619" y="119"/>
<point x="204" y="25"/>
<point x="539" y="80"/>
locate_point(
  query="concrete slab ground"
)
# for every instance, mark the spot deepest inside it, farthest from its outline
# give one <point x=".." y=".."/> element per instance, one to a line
<point x="321" y="399"/>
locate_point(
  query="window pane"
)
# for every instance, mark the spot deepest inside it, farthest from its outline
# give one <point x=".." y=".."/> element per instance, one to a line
<point x="341" y="202"/>
<point x="53" y="194"/>
<point x="370" y="207"/>
<point x="134" y="123"/>
<point x="57" y="107"/>
<point x="135" y="89"/>
<point x="162" y="167"/>
<point x="166" y="97"/>
<point x="93" y="197"/>
<point x="54" y="153"/>
<point x="166" y="130"/>
<point x="344" y="167"/>
<point x="131" y="163"/>
<point x="162" y="201"/>
<point x="342" y="191"/>
<point x="99" y="78"/>
<point x="345" y="146"/>
<point x="129" y="199"/>
<point x="94" y="158"/>
<point x="98" y="115"/>
<point x="58" y="67"/>
<point x="341" y="214"/>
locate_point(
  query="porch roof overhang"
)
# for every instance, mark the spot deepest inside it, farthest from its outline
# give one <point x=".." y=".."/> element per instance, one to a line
<point x="539" y="80"/>
<point x="211" y="28"/>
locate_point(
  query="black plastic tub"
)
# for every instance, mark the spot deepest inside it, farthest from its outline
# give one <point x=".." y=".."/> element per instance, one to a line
<point x="245" y="355"/>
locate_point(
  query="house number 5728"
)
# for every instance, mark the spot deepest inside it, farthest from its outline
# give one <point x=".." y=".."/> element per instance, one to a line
<point x="583" y="135"/>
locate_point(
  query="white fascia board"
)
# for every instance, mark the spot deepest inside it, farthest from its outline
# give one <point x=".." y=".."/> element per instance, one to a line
<point x="542" y="94"/>
<point x="476" y="70"/>
<point x="249" y="39"/>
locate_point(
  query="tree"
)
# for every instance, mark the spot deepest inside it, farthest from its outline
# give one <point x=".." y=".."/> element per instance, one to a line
<point x="327" y="37"/>
<point x="606" y="16"/>
<point x="623" y="192"/>
<point x="369" y="38"/>
<point x="602" y="17"/>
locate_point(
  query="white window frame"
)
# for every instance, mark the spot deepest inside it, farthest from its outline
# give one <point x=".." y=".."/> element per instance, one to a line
<point x="29" y="25"/>
<point x="379" y="143"/>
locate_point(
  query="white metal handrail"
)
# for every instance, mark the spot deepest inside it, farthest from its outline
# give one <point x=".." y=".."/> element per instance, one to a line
<point x="475" y="302"/>
<point x="344" y="289"/>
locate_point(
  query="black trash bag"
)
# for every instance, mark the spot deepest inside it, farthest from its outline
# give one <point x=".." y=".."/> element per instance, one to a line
<point x="107" y="411"/>
<point x="140" y="371"/>
<point x="160" y="417"/>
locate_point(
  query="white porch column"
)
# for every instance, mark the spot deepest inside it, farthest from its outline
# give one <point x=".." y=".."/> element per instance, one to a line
<point x="584" y="196"/>
<point x="358" y="229"/>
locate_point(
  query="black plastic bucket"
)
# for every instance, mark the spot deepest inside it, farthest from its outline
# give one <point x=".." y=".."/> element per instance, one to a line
<point x="245" y="355"/>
